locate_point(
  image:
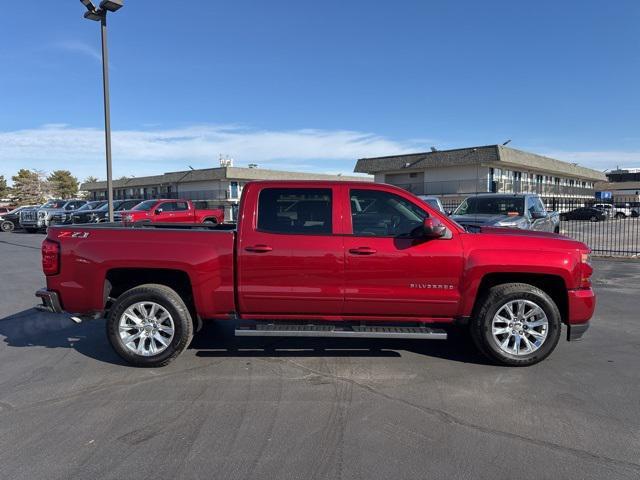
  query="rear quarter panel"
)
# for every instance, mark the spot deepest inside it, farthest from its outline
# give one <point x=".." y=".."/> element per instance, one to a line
<point x="205" y="256"/>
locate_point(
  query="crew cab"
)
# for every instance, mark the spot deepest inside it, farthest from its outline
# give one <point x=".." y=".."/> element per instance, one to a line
<point x="322" y="259"/>
<point x="171" y="211"/>
<point x="525" y="211"/>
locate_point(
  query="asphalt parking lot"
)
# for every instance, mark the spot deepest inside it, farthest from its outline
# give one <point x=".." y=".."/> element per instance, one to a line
<point x="248" y="408"/>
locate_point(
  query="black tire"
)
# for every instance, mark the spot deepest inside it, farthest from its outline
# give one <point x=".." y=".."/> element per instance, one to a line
<point x="172" y="303"/>
<point x="31" y="230"/>
<point x="620" y="215"/>
<point x="210" y="221"/>
<point x="7" y="226"/>
<point x="495" y="299"/>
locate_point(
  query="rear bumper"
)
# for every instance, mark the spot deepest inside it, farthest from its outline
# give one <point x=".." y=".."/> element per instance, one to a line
<point x="50" y="301"/>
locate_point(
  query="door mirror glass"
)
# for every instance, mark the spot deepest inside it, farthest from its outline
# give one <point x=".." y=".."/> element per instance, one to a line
<point x="432" y="228"/>
<point x="159" y="211"/>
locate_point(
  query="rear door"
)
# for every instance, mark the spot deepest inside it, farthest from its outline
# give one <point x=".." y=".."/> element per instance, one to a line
<point x="389" y="270"/>
<point x="183" y="213"/>
<point x="290" y="259"/>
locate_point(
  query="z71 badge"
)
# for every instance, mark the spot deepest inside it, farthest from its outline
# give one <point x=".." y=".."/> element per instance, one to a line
<point x="68" y="234"/>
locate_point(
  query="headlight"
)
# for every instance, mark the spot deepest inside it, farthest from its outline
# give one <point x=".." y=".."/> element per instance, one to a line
<point x="42" y="214"/>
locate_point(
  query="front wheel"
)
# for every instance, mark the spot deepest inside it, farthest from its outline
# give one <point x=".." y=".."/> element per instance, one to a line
<point x="516" y="325"/>
<point x="7" y="226"/>
<point x="149" y="325"/>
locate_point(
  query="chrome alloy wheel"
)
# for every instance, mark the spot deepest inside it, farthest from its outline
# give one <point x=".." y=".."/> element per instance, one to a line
<point x="520" y="327"/>
<point x="146" y="328"/>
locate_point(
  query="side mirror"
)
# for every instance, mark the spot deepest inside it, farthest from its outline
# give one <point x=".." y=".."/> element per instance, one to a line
<point x="158" y="211"/>
<point x="432" y="228"/>
<point x="536" y="215"/>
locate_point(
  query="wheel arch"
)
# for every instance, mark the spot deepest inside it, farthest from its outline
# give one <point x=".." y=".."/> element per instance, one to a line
<point x="552" y="285"/>
<point x="119" y="280"/>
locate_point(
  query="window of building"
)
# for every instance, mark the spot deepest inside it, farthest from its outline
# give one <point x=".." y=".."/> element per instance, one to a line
<point x="295" y="211"/>
<point x="233" y="190"/>
<point x="382" y="214"/>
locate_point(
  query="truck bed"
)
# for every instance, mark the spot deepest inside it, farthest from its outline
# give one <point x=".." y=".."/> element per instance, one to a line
<point x="91" y="255"/>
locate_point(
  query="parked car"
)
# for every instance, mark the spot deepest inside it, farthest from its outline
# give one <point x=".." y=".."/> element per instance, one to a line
<point x="169" y="211"/>
<point x="10" y="221"/>
<point x="322" y="259"/>
<point x="523" y="211"/>
<point x="101" y="214"/>
<point x="433" y="201"/>
<point x="614" y="211"/>
<point x="66" y="217"/>
<point x="33" y="220"/>
<point x="584" y="213"/>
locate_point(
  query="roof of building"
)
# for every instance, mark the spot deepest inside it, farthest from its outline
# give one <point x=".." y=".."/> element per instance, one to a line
<point x="612" y="186"/>
<point x="475" y="156"/>
<point x="219" y="173"/>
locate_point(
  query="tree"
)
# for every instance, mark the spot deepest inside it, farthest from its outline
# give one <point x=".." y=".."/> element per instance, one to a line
<point x="4" y="190"/>
<point x="29" y="186"/>
<point x="91" y="179"/>
<point x="63" y="184"/>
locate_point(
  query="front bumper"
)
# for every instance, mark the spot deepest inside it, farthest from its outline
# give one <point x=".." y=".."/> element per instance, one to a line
<point x="50" y="301"/>
<point x="582" y="304"/>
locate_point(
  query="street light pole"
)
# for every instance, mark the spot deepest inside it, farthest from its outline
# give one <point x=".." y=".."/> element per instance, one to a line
<point x="100" y="14"/>
<point x="107" y="114"/>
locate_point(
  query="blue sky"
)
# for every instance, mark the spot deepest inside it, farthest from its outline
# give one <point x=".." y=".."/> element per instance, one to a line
<point x="314" y="85"/>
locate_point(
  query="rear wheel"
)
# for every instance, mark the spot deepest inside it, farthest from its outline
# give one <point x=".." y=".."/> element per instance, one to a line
<point x="210" y="221"/>
<point x="517" y="324"/>
<point x="7" y="226"/>
<point x="149" y="325"/>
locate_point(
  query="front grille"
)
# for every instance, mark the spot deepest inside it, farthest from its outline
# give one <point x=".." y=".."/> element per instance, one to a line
<point x="28" y="216"/>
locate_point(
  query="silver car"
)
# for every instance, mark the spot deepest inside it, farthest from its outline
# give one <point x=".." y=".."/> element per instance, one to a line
<point x="524" y="211"/>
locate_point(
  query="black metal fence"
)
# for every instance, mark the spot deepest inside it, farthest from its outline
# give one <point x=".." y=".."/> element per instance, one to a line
<point x="608" y="227"/>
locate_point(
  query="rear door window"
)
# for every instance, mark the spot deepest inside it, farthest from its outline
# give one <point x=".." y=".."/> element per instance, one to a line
<point x="295" y="211"/>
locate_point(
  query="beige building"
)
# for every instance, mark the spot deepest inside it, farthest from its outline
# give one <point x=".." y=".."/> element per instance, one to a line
<point x="219" y="187"/>
<point x="454" y="174"/>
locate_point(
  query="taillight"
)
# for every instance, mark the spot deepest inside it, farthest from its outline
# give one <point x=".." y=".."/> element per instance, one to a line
<point x="50" y="257"/>
<point x="586" y="270"/>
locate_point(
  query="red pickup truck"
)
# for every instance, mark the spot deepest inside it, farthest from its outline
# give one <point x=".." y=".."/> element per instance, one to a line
<point x="322" y="259"/>
<point x="169" y="211"/>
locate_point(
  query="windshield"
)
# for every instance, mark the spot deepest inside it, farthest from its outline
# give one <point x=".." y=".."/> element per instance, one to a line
<point x="145" y="206"/>
<point x="54" y="204"/>
<point x="88" y="206"/>
<point x="491" y="205"/>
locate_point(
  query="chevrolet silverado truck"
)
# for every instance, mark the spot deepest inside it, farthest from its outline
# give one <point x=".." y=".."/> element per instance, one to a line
<point x="172" y="211"/>
<point x="525" y="211"/>
<point x="321" y="259"/>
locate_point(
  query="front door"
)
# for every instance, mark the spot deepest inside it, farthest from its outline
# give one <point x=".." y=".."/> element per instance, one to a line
<point x="290" y="262"/>
<point x="389" y="270"/>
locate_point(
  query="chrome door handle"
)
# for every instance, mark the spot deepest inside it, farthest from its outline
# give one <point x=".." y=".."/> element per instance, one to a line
<point x="362" y="251"/>
<point x="259" y="249"/>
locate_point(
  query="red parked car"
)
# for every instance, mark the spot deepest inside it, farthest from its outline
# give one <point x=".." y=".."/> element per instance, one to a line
<point x="169" y="211"/>
<point x="322" y="259"/>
